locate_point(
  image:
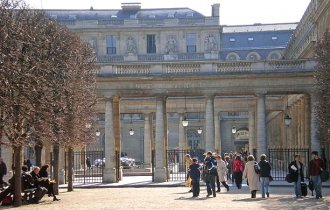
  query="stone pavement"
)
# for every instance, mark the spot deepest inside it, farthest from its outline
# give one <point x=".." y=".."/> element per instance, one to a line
<point x="177" y="198"/>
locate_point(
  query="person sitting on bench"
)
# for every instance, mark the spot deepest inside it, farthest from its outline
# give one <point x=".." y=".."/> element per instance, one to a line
<point x="40" y="191"/>
<point x="48" y="184"/>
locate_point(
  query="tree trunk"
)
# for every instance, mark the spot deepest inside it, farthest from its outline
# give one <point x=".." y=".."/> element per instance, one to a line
<point x="70" y="169"/>
<point x="17" y="175"/>
<point x="38" y="152"/>
<point x="56" y="151"/>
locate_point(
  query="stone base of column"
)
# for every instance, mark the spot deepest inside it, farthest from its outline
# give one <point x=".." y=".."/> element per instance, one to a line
<point x="160" y="175"/>
<point x="109" y="175"/>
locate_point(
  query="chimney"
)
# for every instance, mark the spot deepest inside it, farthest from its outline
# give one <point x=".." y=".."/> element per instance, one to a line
<point x="216" y="10"/>
<point x="131" y="6"/>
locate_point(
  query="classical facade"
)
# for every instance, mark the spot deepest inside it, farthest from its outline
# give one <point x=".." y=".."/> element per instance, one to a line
<point x="159" y="67"/>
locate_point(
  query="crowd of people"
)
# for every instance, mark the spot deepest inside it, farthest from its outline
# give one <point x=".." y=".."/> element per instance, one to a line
<point x="237" y="167"/>
<point x="36" y="182"/>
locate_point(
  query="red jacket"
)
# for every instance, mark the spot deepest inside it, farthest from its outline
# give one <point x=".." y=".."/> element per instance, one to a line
<point x="315" y="166"/>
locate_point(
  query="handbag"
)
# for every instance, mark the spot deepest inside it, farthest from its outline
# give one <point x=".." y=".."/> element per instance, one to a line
<point x="324" y="176"/>
<point x="271" y="178"/>
<point x="311" y="186"/>
<point x="288" y="178"/>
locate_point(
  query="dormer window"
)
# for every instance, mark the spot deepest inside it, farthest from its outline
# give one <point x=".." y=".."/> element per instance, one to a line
<point x="250" y="39"/>
<point x="232" y="39"/>
<point x="274" y="37"/>
<point x="152" y="16"/>
<point x="54" y="17"/>
<point x="113" y="16"/>
<point x="132" y="16"/>
<point x="190" y="14"/>
<point x="170" y="15"/>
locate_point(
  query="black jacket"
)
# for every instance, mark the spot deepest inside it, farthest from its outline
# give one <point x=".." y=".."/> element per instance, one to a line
<point x="194" y="171"/>
<point x="210" y="166"/>
<point x="264" y="168"/>
<point x="294" y="174"/>
<point x="3" y="169"/>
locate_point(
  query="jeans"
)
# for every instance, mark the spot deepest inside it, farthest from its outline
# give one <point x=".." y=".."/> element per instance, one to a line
<point x="297" y="186"/>
<point x="210" y="183"/>
<point x="195" y="187"/>
<point x="317" y="185"/>
<point x="264" y="185"/>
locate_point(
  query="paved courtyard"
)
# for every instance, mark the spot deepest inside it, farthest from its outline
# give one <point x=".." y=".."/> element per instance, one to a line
<point x="161" y="198"/>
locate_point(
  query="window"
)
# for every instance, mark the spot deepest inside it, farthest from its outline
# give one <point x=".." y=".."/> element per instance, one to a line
<point x="274" y="37"/>
<point x="232" y="39"/>
<point x="191" y="42"/>
<point x="111" y="45"/>
<point x="151" y="43"/>
<point x="250" y="38"/>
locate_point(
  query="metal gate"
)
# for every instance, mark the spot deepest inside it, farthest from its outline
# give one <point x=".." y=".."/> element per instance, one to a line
<point x="280" y="159"/>
<point x="176" y="163"/>
<point x="87" y="166"/>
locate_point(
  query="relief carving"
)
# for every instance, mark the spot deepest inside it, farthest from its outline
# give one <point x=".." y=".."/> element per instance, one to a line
<point x="131" y="48"/>
<point x="210" y="43"/>
<point x="171" y="45"/>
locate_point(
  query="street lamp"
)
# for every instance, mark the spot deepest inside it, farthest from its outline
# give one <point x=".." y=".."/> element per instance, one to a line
<point x="233" y="130"/>
<point x="199" y="131"/>
<point x="131" y="131"/>
<point x="185" y="121"/>
<point x="287" y="120"/>
<point x="97" y="133"/>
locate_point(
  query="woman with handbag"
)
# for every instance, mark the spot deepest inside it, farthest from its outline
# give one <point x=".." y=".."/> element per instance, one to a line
<point x="296" y="171"/>
<point x="265" y="169"/>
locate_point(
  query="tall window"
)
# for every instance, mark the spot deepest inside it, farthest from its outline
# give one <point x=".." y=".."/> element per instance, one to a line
<point x="151" y="43"/>
<point x="111" y="45"/>
<point x="191" y="42"/>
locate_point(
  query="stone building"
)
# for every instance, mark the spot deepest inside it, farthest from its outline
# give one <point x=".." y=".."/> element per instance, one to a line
<point x="160" y="67"/>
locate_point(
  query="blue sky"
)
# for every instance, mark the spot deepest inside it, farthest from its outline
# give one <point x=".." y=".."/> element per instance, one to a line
<point x="232" y="12"/>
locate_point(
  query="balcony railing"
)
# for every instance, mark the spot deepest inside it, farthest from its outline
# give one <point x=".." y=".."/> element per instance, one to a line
<point x="211" y="68"/>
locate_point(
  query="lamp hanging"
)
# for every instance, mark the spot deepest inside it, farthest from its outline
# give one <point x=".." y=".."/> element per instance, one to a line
<point x="97" y="133"/>
<point x="131" y="131"/>
<point x="185" y="122"/>
<point x="287" y="118"/>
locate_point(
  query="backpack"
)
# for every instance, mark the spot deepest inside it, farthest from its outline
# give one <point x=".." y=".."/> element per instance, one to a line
<point x="256" y="168"/>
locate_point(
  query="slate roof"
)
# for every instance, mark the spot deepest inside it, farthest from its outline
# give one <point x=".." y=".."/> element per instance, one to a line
<point x="124" y="14"/>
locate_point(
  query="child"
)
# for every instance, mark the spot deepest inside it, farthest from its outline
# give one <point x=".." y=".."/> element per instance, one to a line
<point x="195" y="174"/>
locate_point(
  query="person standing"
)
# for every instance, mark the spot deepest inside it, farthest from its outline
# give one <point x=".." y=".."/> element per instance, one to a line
<point x="265" y="169"/>
<point x="238" y="168"/>
<point x="3" y="172"/>
<point x="195" y="174"/>
<point x="188" y="161"/>
<point x="88" y="163"/>
<point x="251" y="175"/>
<point x="222" y="173"/>
<point x="296" y="172"/>
<point x="210" y="172"/>
<point x="316" y="166"/>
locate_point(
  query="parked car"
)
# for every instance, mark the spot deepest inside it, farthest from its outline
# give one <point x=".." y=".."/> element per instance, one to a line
<point x="99" y="162"/>
<point x="125" y="161"/>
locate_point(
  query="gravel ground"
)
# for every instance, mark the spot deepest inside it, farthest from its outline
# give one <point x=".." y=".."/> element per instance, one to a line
<point x="173" y="198"/>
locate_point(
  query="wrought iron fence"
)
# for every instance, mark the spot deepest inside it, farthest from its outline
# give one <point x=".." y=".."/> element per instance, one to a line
<point x="176" y="163"/>
<point x="280" y="159"/>
<point x="87" y="166"/>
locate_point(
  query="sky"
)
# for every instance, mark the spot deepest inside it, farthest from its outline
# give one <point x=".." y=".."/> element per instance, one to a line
<point x="232" y="12"/>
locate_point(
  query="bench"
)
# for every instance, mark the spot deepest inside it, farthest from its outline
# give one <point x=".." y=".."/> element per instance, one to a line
<point x="28" y="195"/>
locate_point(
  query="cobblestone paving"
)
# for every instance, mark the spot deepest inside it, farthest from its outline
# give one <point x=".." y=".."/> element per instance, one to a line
<point x="173" y="198"/>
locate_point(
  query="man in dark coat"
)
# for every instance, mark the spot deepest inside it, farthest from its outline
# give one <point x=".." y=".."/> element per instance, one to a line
<point x="195" y="174"/>
<point x="3" y="172"/>
<point x="316" y="166"/>
<point x="210" y="172"/>
<point x="264" y="175"/>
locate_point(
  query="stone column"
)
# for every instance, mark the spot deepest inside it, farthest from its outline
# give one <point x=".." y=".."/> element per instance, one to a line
<point x="182" y="133"/>
<point x="315" y="141"/>
<point x="307" y="117"/>
<point x="209" y="124"/>
<point x="217" y="132"/>
<point x="302" y="117"/>
<point x="109" y="173"/>
<point x="161" y="131"/>
<point x="251" y="132"/>
<point x="147" y="139"/>
<point x="61" y="178"/>
<point x="261" y="124"/>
